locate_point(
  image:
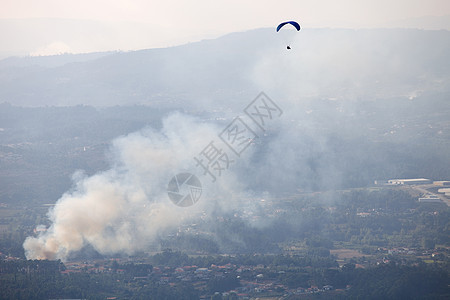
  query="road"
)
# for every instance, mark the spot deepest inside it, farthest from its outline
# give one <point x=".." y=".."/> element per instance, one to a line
<point x="424" y="189"/>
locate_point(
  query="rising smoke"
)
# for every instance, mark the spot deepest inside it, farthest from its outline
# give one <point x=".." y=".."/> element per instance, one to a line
<point x="327" y="86"/>
<point x="126" y="208"/>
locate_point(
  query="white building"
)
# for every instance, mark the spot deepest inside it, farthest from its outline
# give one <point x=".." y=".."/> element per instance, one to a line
<point x="430" y="199"/>
<point x="409" y="181"/>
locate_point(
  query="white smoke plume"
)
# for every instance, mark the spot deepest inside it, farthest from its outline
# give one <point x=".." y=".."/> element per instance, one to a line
<point x="319" y="85"/>
<point x="125" y="208"/>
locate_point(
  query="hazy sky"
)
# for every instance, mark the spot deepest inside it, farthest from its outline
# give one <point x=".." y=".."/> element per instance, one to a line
<point x="133" y="24"/>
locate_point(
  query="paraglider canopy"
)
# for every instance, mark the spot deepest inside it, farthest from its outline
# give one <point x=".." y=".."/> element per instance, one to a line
<point x="293" y="23"/>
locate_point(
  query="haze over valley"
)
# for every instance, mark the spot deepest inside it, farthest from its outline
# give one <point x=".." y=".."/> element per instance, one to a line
<point x="89" y="143"/>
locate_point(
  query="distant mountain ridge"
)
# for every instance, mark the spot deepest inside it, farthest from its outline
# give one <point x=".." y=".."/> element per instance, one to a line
<point x="323" y="63"/>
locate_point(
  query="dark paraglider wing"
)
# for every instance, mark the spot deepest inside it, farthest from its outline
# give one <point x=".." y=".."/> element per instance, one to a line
<point x="293" y="23"/>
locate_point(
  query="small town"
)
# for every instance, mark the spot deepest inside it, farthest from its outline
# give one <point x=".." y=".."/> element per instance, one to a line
<point x="226" y="150"/>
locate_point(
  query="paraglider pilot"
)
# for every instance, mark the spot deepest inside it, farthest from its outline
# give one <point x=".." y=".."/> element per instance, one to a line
<point x="293" y="23"/>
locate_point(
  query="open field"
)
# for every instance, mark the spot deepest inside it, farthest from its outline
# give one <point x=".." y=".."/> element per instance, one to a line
<point x="347" y="253"/>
